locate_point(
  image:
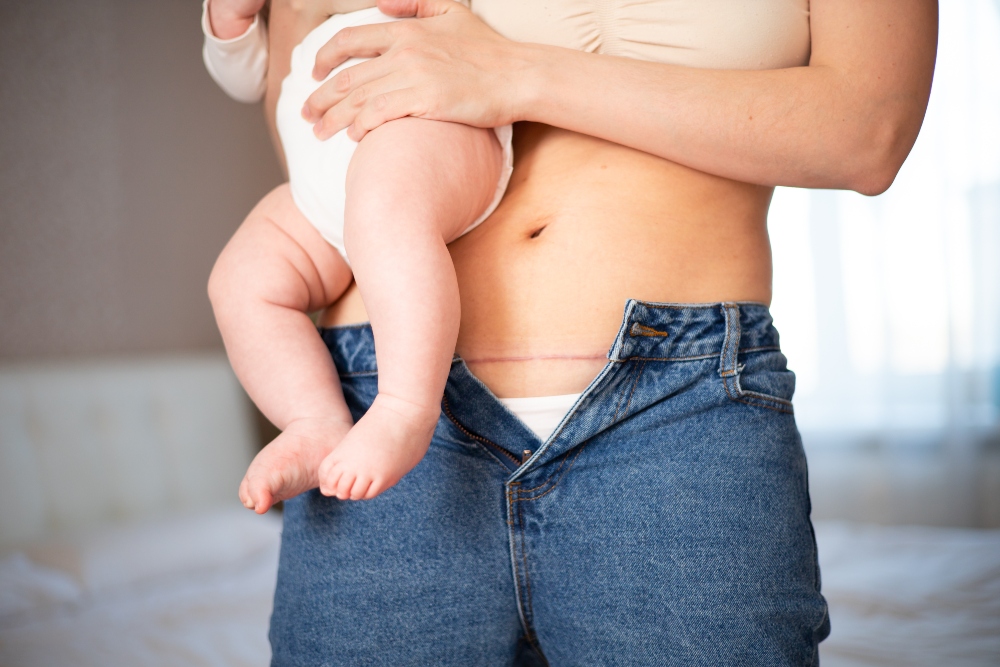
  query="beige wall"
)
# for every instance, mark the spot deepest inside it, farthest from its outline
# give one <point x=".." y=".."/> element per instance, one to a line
<point x="123" y="170"/>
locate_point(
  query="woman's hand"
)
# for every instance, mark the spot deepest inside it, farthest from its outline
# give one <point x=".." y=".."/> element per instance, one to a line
<point x="448" y="65"/>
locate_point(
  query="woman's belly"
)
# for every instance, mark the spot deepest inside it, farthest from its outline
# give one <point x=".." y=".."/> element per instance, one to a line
<point x="585" y="225"/>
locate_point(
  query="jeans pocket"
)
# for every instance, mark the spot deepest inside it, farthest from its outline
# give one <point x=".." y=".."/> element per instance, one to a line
<point x="763" y="379"/>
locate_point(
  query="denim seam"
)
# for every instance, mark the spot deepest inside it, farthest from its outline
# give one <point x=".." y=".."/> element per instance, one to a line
<point x="695" y="357"/>
<point x="523" y="594"/>
<point x="565" y="457"/>
<point x="477" y="438"/>
<point x="669" y="306"/>
<point x="357" y="374"/>
<point x="764" y="397"/>
<point x="618" y="405"/>
<point x="635" y="383"/>
<point x="557" y="475"/>
<point x="756" y="400"/>
<point x="765" y="406"/>
<point x="528" y="613"/>
<point x="509" y="492"/>
<point x="555" y="483"/>
<point x="527" y="580"/>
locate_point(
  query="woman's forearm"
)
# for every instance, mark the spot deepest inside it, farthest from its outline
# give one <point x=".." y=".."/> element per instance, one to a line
<point x="848" y="120"/>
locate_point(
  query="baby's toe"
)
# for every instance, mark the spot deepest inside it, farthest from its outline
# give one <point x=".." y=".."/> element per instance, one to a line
<point x="259" y="492"/>
<point x="327" y="471"/>
<point x="377" y="486"/>
<point x="328" y="481"/>
<point x="245" y="495"/>
<point x="345" y="484"/>
<point x="360" y="488"/>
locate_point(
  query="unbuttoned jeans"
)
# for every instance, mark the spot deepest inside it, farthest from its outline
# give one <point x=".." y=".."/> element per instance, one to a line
<point x="664" y="522"/>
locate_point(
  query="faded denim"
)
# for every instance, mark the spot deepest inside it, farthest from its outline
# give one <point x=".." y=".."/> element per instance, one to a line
<point x="665" y="521"/>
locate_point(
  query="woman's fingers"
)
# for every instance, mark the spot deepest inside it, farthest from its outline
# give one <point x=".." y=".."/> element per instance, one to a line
<point x="383" y="108"/>
<point x="445" y="66"/>
<point x="419" y="8"/>
<point x="363" y="41"/>
<point x="340" y="86"/>
<point x="364" y="110"/>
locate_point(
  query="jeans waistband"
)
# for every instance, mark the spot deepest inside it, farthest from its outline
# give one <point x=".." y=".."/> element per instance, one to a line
<point x="667" y="331"/>
<point x="649" y="331"/>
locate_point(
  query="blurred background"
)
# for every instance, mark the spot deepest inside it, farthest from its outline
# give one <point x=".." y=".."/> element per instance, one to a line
<point x="124" y="170"/>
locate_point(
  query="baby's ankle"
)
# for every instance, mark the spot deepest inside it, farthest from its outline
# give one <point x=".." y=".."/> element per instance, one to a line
<point x="329" y="429"/>
<point x="414" y="414"/>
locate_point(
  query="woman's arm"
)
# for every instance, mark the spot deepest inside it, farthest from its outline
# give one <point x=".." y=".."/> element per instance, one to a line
<point x="847" y="120"/>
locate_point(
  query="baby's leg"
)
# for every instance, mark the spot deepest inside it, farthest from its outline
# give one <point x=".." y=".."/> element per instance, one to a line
<point x="275" y="270"/>
<point x="413" y="186"/>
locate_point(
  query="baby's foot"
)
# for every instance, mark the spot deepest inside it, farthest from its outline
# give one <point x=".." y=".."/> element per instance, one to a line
<point x="383" y="446"/>
<point x="290" y="463"/>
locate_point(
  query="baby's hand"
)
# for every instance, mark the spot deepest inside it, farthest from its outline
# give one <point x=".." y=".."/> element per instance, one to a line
<point x="232" y="18"/>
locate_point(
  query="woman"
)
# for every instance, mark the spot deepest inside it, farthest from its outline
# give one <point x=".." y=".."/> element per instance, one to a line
<point x="665" y="521"/>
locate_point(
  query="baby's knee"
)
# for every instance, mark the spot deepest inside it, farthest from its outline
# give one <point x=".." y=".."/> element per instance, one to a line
<point x="232" y="274"/>
<point x="221" y="280"/>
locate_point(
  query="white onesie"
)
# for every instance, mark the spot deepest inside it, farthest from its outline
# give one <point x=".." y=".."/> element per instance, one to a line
<point x="317" y="170"/>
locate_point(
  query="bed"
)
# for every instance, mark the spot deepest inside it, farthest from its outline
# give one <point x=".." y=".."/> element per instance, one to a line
<point x="121" y="544"/>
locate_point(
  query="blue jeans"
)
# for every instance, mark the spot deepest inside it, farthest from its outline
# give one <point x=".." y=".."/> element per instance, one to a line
<point x="664" y="522"/>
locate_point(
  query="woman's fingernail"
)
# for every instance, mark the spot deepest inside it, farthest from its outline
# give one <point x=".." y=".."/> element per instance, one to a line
<point x="318" y="130"/>
<point x="306" y="113"/>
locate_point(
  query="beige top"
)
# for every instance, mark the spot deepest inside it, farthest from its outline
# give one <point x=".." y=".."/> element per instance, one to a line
<point x="718" y="34"/>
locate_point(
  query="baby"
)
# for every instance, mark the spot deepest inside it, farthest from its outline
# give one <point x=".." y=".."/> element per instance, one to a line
<point x="384" y="209"/>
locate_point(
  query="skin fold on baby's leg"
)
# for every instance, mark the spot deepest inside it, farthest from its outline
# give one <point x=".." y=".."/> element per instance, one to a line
<point x="413" y="186"/>
<point x="275" y="270"/>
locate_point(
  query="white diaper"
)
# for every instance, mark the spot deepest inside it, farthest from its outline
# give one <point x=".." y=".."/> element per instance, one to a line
<point x="317" y="170"/>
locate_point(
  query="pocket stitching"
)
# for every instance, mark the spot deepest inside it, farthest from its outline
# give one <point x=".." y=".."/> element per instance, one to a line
<point x="756" y="399"/>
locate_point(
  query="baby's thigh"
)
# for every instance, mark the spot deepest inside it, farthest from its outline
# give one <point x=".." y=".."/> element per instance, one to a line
<point x="450" y="170"/>
<point x="276" y="253"/>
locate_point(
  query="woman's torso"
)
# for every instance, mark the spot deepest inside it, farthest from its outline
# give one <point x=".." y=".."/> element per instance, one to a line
<point x="587" y="224"/>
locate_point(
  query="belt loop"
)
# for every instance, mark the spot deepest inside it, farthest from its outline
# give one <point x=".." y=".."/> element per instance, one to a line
<point x="731" y="345"/>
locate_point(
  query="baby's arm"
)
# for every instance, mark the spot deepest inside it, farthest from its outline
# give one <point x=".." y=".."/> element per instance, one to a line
<point x="275" y="270"/>
<point x="235" y="49"/>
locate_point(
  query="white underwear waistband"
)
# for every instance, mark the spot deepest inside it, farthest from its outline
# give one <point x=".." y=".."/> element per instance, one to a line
<point x="541" y="414"/>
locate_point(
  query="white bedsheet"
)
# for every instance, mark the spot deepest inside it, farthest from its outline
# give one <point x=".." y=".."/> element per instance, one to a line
<point x="898" y="596"/>
<point x="213" y="612"/>
<point x="910" y="596"/>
